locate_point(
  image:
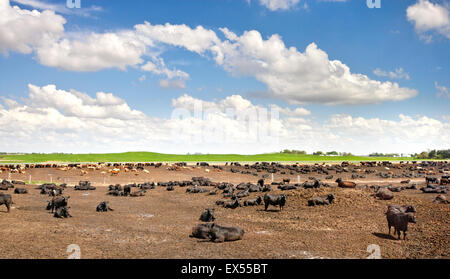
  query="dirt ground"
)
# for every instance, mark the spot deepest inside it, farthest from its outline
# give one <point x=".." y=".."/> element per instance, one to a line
<point x="158" y="225"/>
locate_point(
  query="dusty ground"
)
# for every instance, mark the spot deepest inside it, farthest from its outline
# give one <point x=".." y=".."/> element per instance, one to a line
<point x="158" y="225"/>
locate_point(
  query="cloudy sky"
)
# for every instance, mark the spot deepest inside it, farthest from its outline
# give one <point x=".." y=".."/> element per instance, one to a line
<point x="224" y="76"/>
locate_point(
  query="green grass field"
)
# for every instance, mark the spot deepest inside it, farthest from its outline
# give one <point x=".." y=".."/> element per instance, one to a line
<point x="159" y="157"/>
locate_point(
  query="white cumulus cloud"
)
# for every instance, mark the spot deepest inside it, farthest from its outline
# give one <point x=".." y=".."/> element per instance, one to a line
<point x="21" y="30"/>
<point x="93" y="52"/>
<point x="429" y="17"/>
<point x="301" y="77"/>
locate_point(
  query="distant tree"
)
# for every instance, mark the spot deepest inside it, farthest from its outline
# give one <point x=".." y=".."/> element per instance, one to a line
<point x="432" y="154"/>
<point x="287" y="151"/>
<point x="376" y="154"/>
<point x="318" y="153"/>
<point x="423" y="155"/>
<point x="332" y="153"/>
<point x="443" y="154"/>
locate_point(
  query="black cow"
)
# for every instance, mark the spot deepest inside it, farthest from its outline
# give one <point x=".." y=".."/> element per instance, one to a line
<point x="201" y="231"/>
<point x="57" y="202"/>
<point x="220" y="234"/>
<point x="399" y="220"/>
<point x="287" y="187"/>
<point x="309" y="185"/>
<point x="275" y="200"/>
<point x="208" y="215"/>
<point x="253" y="202"/>
<point x="20" y="191"/>
<point x="326" y="200"/>
<point x="6" y="200"/>
<point x="403" y="208"/>
<point x="243" y="193"/>
<point x="430" y="180"/>
<point x="126" y="190"/>
<point x="261" y="182"/>
<point x="104" y="207"/>
<point x="62" y="212"/>
<point x="233" y="203"/>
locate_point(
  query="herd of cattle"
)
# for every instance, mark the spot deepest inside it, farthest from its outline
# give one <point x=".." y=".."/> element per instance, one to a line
<point x="235" y="196"/>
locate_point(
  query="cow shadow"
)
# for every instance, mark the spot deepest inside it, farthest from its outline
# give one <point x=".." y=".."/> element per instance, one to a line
<point x="269" y="210"/>
<point x="203" y="240"/>
<point x="384" y="236"/>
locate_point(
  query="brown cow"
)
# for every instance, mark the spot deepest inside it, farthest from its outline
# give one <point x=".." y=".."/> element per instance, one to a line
<point x="345" y="184"/>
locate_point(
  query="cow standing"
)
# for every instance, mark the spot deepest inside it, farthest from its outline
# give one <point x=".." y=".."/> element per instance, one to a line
<point x="275" y="200"/>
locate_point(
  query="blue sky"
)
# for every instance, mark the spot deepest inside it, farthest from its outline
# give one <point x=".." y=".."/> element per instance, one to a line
<point x="400" y="49"/>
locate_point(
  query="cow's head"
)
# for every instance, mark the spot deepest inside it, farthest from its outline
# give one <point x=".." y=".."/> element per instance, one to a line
<point x="330" y="198"/>
<point x="259" y="200"/>
<point x="283" y="200"/>
<point x="411" y="218"/>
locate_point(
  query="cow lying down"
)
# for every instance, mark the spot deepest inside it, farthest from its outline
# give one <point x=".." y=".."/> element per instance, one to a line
<point x="441" y="199"/>
<point x="253" y="202"/>
<point x="217" y="233"/>
<point x="201" y="231"/>
<point x="384" y="194"/>
<point x="20" y="191"/>
<point x="220" y="234"/>
<point x="104" y="207"/>
<point x="345" y="184"/>
<point x="57" y="202"/>
<point x="326" y="200"/>
<point x="62" y="212"/>
<point x="140" y="193"/>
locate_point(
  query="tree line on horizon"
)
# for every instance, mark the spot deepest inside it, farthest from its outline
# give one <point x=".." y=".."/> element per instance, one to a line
<point x="434" y="154"/>
<point x="317" y="153"/>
